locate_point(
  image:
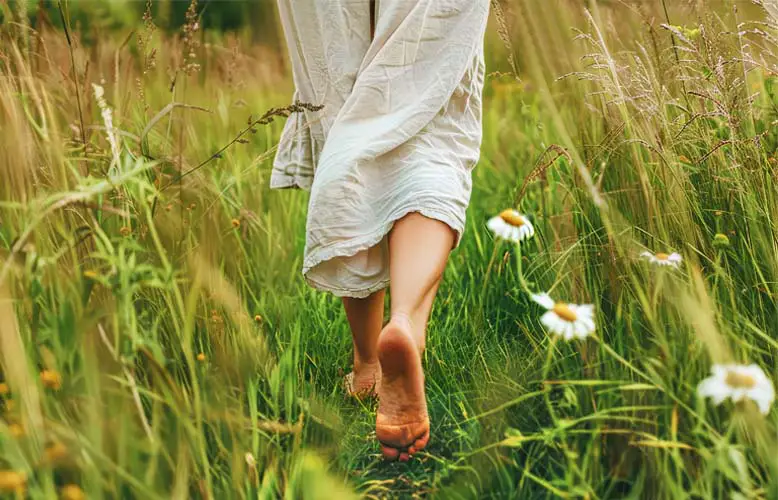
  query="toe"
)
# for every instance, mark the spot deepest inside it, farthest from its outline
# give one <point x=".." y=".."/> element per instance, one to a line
<point x="421" y="442"/>
<point x="390" y="453"/>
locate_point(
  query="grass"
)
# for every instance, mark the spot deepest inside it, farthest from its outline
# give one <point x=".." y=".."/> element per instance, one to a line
<point x="157" y="339"/>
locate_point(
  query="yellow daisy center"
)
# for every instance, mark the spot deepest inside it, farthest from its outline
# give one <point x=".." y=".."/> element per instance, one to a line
<point x="740" y="381"/>
<point x="512" y="218"/>
<point x="564" y="312"/>
<point x="662" y="256"/>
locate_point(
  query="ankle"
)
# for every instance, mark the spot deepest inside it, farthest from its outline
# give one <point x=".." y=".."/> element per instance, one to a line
<point x="361" y="362"/>
<point x="406" y="320"/>
<point x="402" y="318"/>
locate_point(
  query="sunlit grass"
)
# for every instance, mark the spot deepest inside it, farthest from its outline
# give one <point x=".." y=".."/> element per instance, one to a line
<point x="157" y="339"/>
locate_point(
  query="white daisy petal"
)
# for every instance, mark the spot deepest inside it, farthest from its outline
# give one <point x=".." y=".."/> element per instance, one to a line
<point x="569" y="330"/>
<point x="713" y="387"/>
<point x="543" y="299"/>
<point x="764" y="401"/>
<point x="579" y="330"/>
<point x="588" y="323"/>
<point x="720" y="371"/>
<point x="585" y="309"/>
<point x="737" y="394"/>
<point x="548" y="320"/>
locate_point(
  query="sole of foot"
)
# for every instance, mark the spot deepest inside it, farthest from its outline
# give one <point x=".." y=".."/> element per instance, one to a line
<point x="402" y="423"/>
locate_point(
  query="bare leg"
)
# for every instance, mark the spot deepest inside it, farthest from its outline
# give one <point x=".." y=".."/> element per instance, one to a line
<point x="418" y="251"/>
<point x="365" y="317"/>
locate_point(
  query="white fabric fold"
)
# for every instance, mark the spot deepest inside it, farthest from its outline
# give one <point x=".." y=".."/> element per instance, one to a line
<point x="400" y="130"/>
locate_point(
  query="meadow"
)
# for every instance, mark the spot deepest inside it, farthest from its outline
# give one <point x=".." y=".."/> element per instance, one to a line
<point x="157" y="339"/>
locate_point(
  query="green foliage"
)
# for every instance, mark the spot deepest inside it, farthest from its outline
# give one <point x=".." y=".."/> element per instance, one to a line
<point x="184" y="356"/>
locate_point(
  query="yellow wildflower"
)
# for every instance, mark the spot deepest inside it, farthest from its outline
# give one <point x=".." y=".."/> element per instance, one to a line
<point x="72" y="492"/>
<point x="55" y="452"/>
<point x="16" y="430"/>
<point x="12" y="481"/>
<point x="51" y="379"/>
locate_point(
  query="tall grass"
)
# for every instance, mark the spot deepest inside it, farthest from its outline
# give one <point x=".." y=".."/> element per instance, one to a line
<point x="158" y="341"/>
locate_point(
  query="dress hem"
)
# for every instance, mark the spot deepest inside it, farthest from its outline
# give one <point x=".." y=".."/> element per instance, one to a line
<point x="356" y="245"/>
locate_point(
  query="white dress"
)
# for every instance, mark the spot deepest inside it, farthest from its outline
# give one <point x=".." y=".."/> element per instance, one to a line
<point x="400" y="130"/>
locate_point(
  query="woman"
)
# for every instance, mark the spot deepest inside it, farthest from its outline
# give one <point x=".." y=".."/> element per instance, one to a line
<point x="388" y="162"/>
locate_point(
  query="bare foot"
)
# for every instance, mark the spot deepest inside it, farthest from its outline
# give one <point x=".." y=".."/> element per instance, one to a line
<point x="402" y="424"/>
<point x="364" y="380"/>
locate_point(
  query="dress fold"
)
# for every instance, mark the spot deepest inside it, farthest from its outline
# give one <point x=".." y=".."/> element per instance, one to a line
<point x="400" y="130"/>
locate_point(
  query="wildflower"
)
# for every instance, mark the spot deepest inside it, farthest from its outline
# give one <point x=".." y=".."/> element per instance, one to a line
<point x="511" y="225"/>
<point x="720" y="241"/>
<point x="566" y="320"/>
<point x="4" y="390"/>
<point x="55" y="452"/>
<point x="663" y="259"/>
<point x="51" y="379"/>
<point x="12" y="481"/>
<point x="737" y="382"/>
<point x="201" y="357"/>
<point x="235" y="223"/>
<point x="258" y="318"/>
<point x="16" y="430"/>
<point x="72" y="492"/>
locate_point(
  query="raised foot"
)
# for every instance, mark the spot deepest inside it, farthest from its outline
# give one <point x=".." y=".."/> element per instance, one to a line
<point x="402" y="423"/>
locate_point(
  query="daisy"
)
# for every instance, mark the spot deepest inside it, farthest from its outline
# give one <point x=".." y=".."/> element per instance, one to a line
<point x="511" y="225"/>
<point x="663" y="259"/>
<point x="566" y="320"/>
<point x="737" y="382"/>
